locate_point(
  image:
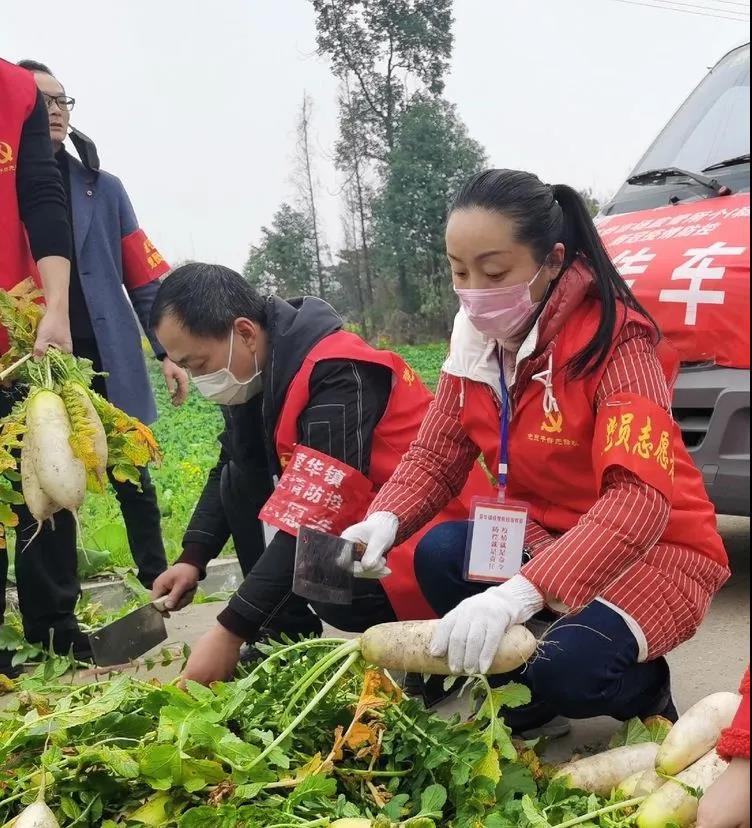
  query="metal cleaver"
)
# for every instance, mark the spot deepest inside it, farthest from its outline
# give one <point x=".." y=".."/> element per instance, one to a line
<point x="326" y="567"/>
<point x="130" y="636"/>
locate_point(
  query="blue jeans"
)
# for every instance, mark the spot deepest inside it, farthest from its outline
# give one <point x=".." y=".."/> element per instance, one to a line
<point x="587" y="665"/>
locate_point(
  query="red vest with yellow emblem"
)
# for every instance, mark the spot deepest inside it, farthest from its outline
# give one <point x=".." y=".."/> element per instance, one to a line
<point x="18" y="94"/>
<point x="557" y="460"/>
<point x="398" y="427"/>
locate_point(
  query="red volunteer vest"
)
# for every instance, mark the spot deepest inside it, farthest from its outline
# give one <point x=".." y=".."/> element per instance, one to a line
<point x="18" y="94"/>
<point x="557" y="461"/>
<point x="406" y="409"/>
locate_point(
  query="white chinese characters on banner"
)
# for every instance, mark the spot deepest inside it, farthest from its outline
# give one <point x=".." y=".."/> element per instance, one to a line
<point x="310" y="493"/>
<point x="633" y="264"/>
<point x="688" y="266"/>
<point x="697" y="269"/>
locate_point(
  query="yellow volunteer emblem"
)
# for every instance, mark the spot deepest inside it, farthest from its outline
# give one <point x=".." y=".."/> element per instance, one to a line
<point x="554" y="422"/>
<point x="6" y="153"/>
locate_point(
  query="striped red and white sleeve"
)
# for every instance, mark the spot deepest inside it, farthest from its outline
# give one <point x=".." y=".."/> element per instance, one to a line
<point x="630" y="516"/>
<point x="435" y="467"/>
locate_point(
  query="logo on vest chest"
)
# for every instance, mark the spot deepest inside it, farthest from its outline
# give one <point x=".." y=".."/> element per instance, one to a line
<point x="551" y="431"/>
<point x="554" y="423"/>
<point x="6" y="158"/>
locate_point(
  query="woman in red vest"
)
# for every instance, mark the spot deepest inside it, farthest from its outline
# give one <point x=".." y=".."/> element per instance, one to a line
<point x="559" y="379"/>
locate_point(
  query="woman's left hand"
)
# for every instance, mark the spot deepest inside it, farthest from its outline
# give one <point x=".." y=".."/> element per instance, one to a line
<point x="177" y="381"/>
<point x="471" y="633"/>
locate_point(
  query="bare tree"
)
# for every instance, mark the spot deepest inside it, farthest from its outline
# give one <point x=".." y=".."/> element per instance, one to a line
<point x="359" y="262"/>
<point x="307" y="185"/>
<point x="352" y="159"/>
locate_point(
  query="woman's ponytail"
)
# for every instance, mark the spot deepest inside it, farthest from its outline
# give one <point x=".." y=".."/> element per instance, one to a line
<point x="581" y="238"/>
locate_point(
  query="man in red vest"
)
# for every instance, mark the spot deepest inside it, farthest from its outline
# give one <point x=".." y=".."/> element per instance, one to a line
<point x="308" y="404"/>
<point x="34" y="241"/>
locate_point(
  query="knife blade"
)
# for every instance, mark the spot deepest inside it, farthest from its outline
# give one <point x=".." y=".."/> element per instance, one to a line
<point x="130" y="636"/>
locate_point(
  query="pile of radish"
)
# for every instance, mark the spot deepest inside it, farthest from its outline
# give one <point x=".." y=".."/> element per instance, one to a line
<point x="65" y="435"/>
<point x="666" y="780"/>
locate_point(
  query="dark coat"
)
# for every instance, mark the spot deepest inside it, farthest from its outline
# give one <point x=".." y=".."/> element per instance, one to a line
<point x="119" y="270"/>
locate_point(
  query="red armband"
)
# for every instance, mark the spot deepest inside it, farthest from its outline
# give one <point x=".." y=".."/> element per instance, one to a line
<point x="318" y="491"/>
<point x="142" y="262"/>
<point x="638" y="435"/>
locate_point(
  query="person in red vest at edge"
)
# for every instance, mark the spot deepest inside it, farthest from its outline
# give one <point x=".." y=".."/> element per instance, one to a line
<point x="34" y="241"/>
<point x="559" y="378"/>
<point x="726" y="803"/>
<point x="111" y="252"/>
<point x="306" y="402"/>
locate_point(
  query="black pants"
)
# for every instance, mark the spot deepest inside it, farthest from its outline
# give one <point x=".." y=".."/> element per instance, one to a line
<point x="588" y="665"/>
<point x="140" y="509"/>
<point x="46" y="568"/>
<point x="288" y="613"/>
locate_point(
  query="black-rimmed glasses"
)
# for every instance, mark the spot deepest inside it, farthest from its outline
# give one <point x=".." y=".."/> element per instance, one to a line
<point x="64" y="102"/>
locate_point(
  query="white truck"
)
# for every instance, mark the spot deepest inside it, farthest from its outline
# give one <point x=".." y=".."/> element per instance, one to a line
<point x="679" y="233"/>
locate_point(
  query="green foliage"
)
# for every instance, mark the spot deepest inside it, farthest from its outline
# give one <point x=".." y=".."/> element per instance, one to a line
<point x="188" y="437"/>
<point x="432" y="156"/>
<point x="636" y="731"/>
<point x="271" y="750"/>
<point x="378" y="44"/>
<point x="592" y="201"/>
<point x="285" y="260"/>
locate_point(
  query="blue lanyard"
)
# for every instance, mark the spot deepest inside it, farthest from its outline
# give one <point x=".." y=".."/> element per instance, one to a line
<point x="503" y="430"/>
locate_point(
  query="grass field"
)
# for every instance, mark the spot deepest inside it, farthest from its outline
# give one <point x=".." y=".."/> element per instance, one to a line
<point x="188" y="437"/>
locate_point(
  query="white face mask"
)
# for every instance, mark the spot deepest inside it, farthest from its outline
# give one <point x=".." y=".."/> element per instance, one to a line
<point x="224" y="387"/>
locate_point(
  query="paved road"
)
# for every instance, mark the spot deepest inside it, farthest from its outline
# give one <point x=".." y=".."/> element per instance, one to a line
<point x="713" y="660"/>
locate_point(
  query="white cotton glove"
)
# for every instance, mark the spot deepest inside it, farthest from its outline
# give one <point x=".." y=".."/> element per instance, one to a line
<point x="377" y="533"/>
<point x="471" y="633"/>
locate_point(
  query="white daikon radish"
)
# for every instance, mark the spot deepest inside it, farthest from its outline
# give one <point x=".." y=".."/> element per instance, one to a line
<point x="39" y="504"/>
<point x="83" y="416"/>
<point x="601" y="773"/>
<point x="674" y="804"/>
<point x="406" y="646"/>
<point x="696" y="732"/>
<point x="36" y="815"/>
<point x="641" y="783"/>
<point x="60" y="473"/>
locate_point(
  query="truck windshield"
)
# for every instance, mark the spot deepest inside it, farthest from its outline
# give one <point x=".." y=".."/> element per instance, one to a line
<point x="711" y="127"/>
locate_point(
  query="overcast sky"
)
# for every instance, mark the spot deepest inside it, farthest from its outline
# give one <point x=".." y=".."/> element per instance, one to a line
<point x="193" y="104"/>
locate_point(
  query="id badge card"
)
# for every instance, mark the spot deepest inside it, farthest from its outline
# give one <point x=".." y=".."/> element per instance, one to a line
<point x="495" y="540"/>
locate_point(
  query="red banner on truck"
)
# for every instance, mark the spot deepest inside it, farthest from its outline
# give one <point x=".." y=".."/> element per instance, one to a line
<point x="689" y="266"/>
